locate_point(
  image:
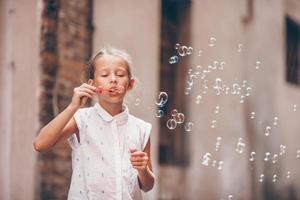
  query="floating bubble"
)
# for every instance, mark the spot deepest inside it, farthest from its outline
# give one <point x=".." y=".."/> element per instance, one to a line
<point x="171" y="124"/>
<point x="177" y="45"/>
<point x="288" y="174"/>
<point x="213" y="123"/>
<point x="252" y="154"/>
<point x="190" y="51"/>
<point x="173" y="60"/>
<point x="267" y="132"/>
<point x="282" y="149"/>
<point x="258" y="63"/>
<point x="217" y="109"/>
<point x="198" y="99"/>
<point x="190" y="79"/>
<point x="218" y="86"/>
<point x="187" y="90"/>
<point x="261" y="178"/>
<point x="200" y="53"/>
<point x="242" y="99"/>
<point x="240" y="146"/>
<point x="227" y="90"/>
<point x="198" y="69"/>
<point x="215" y="65"/>
<point x="267" y="154"/>
<point x="235" y="89"/>
<point x="206" y="158"/>
<point x="222" y="65"/>
<point x="218" y="143"/>
<point x="244" y="83"/>
<point x="159" y="113"/>
<point x="240" y="48"/>
<point x="174" y="112"/>
<point x="212" y="41"/>
<point x="179" y="118"/>
<point x="248" y="89"/>
<point x="182" y="51"/>
<point x="275" y="121"/>
<point x="220" y="167"/>
<point x="188" y="126"/>
<point x="205" y="87"/>
<point x="252" y="115"/>
<point x="274" y="178"/>
<point x="294" y="107"/>
<point x="275" y="158"/>
<point x="162" y="99"/>
<point x="137" y="102"/>
<point x="214" y="163"/>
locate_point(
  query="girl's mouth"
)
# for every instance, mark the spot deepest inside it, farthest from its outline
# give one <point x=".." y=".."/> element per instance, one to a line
<point x="112" y="90"/>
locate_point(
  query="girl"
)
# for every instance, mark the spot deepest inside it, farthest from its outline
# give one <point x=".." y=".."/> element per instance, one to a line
<point x="110" y="147"/>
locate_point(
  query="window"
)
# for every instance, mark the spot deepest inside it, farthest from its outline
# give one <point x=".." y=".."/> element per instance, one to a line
<point x="292" y="48"/>
<point x="175" y="26"/>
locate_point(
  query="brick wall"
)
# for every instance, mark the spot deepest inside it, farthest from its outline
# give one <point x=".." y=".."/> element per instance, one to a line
<point x="66" y="34"/>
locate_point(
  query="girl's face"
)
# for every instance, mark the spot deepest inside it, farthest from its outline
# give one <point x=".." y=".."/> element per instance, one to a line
<point x="112" y="74"/>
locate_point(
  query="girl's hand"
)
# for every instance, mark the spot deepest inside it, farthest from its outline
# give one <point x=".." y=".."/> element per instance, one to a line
<point x="139" y="161"/>
<point x="81" y="95"/>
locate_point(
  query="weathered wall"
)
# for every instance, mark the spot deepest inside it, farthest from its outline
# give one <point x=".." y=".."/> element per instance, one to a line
<point x="19" y="100"/>
<point x="65" y="49"/>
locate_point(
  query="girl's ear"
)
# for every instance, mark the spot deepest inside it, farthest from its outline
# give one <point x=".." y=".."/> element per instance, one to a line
<point x="91" y="82"/>
<point x="131" y="83"/>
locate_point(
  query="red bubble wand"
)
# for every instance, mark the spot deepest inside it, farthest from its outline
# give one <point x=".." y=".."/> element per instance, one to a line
<point x="117" y="89"/>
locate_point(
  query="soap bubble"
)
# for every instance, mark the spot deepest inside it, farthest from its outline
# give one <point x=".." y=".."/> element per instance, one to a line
<point x="174" y="112"/>
<point x="171" y="124"/>
<point x="179" y="118"/>
<point x="162" y="99"/>
<point x="173" y="60"/>
<point x="177" y="45"/>
<point x="188" y="126"/>
<point x="159" y="113"/>
<point x="137" y="101"/>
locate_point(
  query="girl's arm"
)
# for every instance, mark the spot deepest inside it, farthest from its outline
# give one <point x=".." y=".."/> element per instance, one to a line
<point x="63" y="125"/>
<point x="142" y="162"/>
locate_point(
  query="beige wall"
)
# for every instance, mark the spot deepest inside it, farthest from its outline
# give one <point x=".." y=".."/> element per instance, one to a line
<point x="5" y="102"/>
<point x="224" y="22"/>
<point x="134" y="26"/>
<point x="263" y="39"/>
<point x="19" y="102"/>
<point x="292" y="9"/>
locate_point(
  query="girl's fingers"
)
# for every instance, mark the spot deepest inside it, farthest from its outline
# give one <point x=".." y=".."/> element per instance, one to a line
<point x="87" y="90"/>
<point x="81" y="89"/>
<point x="84" y="94"/>
<point x="139" y="153"/>
<point x="139" y="159"/>
<point x="139" y="163"/>
<point x="140" y="168"/>
<point x="93" y="88"/>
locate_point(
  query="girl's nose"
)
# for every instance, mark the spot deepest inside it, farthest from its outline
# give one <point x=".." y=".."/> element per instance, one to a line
<point x="113" y="78"/>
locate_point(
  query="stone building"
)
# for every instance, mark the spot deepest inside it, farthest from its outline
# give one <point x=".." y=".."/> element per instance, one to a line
<point x="242" y="141"/>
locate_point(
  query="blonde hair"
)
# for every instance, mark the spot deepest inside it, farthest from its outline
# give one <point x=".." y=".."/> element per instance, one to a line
<point x="90" y="70"/>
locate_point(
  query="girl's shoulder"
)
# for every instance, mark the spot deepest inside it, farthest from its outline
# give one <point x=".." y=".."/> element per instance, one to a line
<point x="84" y="112"/>
<point x="139" y="122"/>
<point x="82" y="115"/>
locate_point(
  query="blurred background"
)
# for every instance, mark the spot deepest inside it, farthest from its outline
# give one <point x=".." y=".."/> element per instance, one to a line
<point x="218" y="80"/>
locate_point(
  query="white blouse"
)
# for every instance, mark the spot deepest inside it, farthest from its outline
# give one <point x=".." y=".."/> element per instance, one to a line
<point x="101" y="160"/>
